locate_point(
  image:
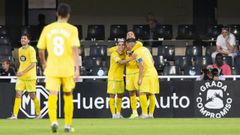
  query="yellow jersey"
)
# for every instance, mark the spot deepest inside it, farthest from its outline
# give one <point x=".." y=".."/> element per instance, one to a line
<point x="116" y="70"/>
<point x="112" y="49"/>
<point x="27" y="55"/>
<point x="144" y="55"/>
<point x="132" y="67"/>
<point x="59" y="39"/>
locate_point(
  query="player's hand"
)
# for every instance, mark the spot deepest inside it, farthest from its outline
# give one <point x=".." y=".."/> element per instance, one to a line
<point x="133" y="57"/>
<point x="227" y="38"/>
<point x="19" y="74"/>
<point x="139" y="81"/>
<point x="215" y="78"/>
<point x="129" y="53"/>
<point x="76" y="75"/>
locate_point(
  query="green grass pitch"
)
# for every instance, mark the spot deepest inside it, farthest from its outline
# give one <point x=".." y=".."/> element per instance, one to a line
<point x="157" y="126"/>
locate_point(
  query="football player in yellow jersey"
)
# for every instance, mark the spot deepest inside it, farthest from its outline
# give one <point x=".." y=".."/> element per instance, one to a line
<point x="62" y="67"/>
<point x="147" y="83"/>
<point x="26" y="76"/>
<point x="132" y="76"/>
<point x="115" y="78"/>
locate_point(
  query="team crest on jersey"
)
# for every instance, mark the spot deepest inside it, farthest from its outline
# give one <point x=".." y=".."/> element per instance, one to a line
<point x="23" y="58"/>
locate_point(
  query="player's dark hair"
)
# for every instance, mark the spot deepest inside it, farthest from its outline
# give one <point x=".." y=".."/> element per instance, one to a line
<point x="63" y="10"/>
<point x="130" y="40"/>
<point x="27" y="35"/>
<point x="7" y="61"/>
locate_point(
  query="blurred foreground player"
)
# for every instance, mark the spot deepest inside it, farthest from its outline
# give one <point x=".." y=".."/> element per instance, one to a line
<point x="61" y="41"/>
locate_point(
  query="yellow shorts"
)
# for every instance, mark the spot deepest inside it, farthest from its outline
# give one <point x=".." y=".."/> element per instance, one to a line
<point x="149" y="85"/>
<point x="131" y="82"/>
<point x="54" y="83"/>
<point x="115" y="87"/>
<point x="28" y="85"/>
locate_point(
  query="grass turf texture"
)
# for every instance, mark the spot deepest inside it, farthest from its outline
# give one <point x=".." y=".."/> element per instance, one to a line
<point x="162" y="126"/>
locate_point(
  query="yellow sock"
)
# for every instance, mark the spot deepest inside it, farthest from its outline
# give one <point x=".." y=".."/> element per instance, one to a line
<point x="17" y="105"/>
<point x="133" y="101"/>
<point x="52" y="108"/>
<point x="143" y="103"/>
<point x="119" y="105"/>
<point x="112" y="105"/>
<point x="37" y="106"/>
<point x="152" y="104"/>
<point x="68" y="109"/>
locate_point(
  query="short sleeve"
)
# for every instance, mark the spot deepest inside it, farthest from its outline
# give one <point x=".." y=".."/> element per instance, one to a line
<point x="42" y="40"/>
<point x="218" y="42"/>
<point x="228" y="70"/>
<point x="232" y="40"/>
<point x="139" y="59"/>
<point x="33" y="55"/>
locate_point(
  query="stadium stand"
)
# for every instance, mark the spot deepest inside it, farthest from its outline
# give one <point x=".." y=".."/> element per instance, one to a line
<point x="186" y="31"/>
<point x="118" y="31"/>
<point x="235" y="29"/>
<point x="95" y="32"/>
<point x="192" y="70"/>
<point x="98" y="51"/>
<point x="167" y="51"/>
<point x="3" y="30"/>
<point x="6" y="50"/>
<point x="90" y="62"/>
<point x="163" y="32"/>
<point x="203" y="61"/>
<point x="4" y="40"/>
<point x="210" y="50"/>
<point x="228" y="60"/>
<point x="193" y="51"/>
<point x="33" y="30"/>
<point x="237" y="61"/>
<point x="183" y="61"/>
<point x="235" y="70"/>
<point x="80" y="35"/>
<point x="159" y="63"/>
<point x="172" y="70"/>
<point x="213" y="31"/>
<point x="142" y="32"/>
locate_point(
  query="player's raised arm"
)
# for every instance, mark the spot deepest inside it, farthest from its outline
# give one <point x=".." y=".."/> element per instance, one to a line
<point x="125" y="61"/>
